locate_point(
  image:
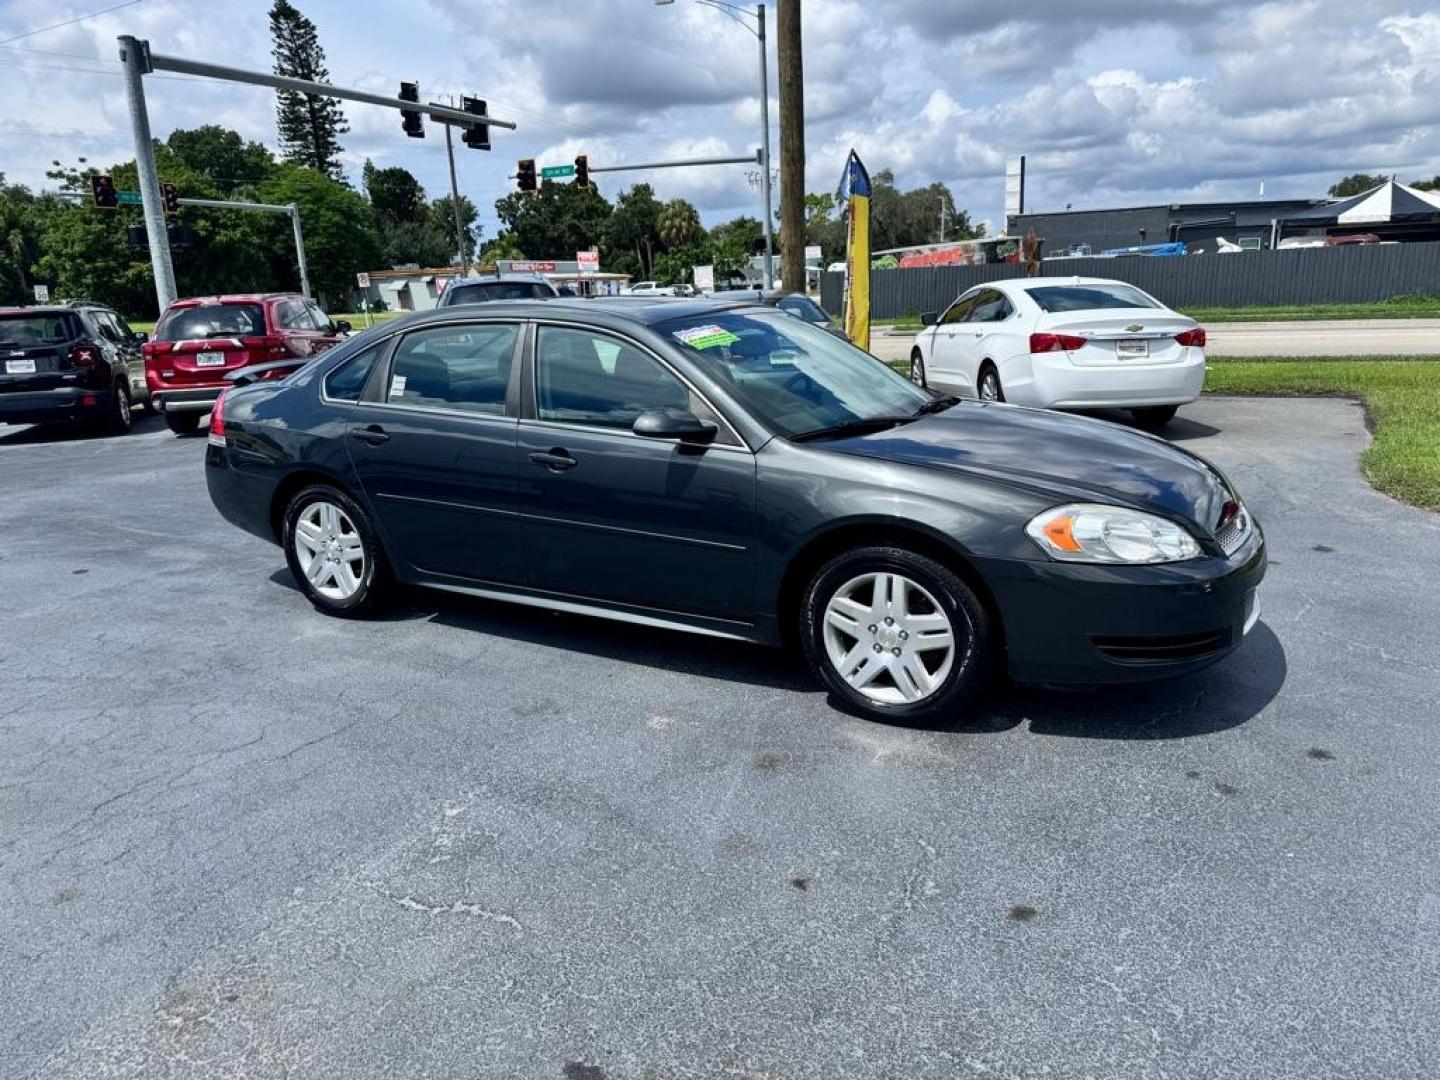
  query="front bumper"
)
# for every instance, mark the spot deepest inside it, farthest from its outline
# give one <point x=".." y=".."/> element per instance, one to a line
<point x="1074" y="623"/>
<point x="199" y="400"/>
<point x="50" y="406"/>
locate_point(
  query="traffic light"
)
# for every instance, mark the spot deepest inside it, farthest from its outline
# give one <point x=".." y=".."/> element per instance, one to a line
<point x="525" y="174"/>
<point x="410" y="119"/>
<point x="102" y="191"/>
<point x="477" y="136"/>
<point x="170" y="196"/>
<point x="137" y="237"/>
<point x="582" y="170"/>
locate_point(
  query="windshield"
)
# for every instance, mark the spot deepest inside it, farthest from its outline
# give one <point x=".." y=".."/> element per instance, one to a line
<point x="794" y="378"/>
<point x="1053" y="298"/>
<point x="27" y="330"/>
<point x="212" y="320"/>
<point x="498" y="290"/>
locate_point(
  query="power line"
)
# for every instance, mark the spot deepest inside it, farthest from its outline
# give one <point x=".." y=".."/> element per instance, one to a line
<point x="70" y="22"/>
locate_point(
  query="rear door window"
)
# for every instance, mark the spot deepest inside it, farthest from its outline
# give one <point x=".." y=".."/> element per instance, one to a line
<point x="211" y="321"/>
<point x="463" y="368"/>
<point x="959" y="310"/>
<point x="990" y="306"/>
<point x="1058" y="298"/>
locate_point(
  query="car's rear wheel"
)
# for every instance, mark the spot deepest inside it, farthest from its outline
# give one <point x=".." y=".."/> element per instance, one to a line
<point x="183" y="423"/>
<point x="334" y="552"/>
<point x="120" y="418"/>
<point x="987" y="387"/>
<point x="917" y="367"/>
<point x="1155" y="417"/>
<point x="896" y="635"/>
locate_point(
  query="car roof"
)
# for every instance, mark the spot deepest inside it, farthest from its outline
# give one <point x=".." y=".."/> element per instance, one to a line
<point x="234" y="298"/>
<point x="55" y="309"/>
<point x="636" y="310"/>
<point x="482" y="279"/>
<point x="1031" y="282"/>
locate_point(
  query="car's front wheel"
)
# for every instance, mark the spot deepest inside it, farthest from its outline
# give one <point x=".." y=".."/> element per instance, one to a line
<point x="917" y="367"/>
<point x="334" y="553"/>
<point x="895" y="634"/>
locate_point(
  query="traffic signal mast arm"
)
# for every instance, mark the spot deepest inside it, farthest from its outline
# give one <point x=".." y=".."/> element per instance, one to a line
<point x="526" y="175"/>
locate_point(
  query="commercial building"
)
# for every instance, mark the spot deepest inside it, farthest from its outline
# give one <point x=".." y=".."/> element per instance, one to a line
<point x="1249" y="223"/>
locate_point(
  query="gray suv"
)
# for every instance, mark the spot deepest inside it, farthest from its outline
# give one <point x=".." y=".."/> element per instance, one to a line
<point x="478" y="290"/>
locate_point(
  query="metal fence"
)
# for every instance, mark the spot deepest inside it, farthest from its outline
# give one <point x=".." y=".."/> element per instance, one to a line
<point x="1349" y="274"/>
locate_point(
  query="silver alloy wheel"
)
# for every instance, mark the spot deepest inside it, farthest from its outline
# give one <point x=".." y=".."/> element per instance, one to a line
<point x="989" y="386"/>
<point x="330" y="551"/>
<point x="917" y="369"/>
<point x="889" y="638"/>
<point x="122" y="397"/>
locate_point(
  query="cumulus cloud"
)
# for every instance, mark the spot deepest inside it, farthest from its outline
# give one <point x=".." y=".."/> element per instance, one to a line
<point x="1115" y="102"/>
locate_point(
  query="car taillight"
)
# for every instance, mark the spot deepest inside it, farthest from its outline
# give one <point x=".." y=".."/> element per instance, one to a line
<point x="1056" y="342"/>
<point x="269" y="347"/>
<point x="84" y="355"/>
<point x="217" y="423"/>
<point x="1195" y="337"/>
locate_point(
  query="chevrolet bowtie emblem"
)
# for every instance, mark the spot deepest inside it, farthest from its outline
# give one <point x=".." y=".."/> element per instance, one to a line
<point x="1135" y="326"/>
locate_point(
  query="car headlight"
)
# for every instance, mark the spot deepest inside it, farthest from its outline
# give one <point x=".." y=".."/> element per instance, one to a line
<point x="1094" y="533"/>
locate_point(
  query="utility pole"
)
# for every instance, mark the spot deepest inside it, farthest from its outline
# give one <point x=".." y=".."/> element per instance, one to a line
<point x="135" y="60"/>
<point x="792" y="147"/>
<point x="765" y="152"/>
<point x="455" y="205"/>
<point x="942" y="218"/>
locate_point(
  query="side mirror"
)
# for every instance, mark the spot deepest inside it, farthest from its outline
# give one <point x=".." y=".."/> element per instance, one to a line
<point x="930" y="318"/>
<point x="342" y="327"/>
<point x="141" y="337"/>
<point x="673" y="424"/>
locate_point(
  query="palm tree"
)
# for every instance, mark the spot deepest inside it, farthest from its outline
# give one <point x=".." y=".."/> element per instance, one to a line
<point x="679" y="223"/>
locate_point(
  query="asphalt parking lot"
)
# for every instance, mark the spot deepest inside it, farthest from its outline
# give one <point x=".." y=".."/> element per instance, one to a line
<point x="239" y="839"/>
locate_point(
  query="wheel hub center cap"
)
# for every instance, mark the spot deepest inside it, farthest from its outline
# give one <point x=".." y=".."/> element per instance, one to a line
<point x="888" y="636"/>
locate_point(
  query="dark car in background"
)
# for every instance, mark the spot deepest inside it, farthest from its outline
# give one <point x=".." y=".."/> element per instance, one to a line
<point x="802" y="307"/>
<point x="480" y="290"/>
<point x="200" y="341"/>
<point x="733" y="471"/>
<point x="70" y="362"/>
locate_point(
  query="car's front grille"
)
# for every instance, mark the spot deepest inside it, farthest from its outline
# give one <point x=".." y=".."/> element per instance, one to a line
<point x="1157" y="649"/>
<point x="1234" y="528"/>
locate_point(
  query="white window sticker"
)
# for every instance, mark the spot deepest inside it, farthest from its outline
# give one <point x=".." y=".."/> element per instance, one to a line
<point x="397" y="387"/>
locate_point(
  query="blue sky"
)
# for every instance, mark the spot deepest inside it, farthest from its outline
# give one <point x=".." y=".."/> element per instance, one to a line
<point x="1115" y="102"/>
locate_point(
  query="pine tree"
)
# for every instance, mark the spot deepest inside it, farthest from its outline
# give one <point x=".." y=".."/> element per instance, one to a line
<point x="310" y="126"/>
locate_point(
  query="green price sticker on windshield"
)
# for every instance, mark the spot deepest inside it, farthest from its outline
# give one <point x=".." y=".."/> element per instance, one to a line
<point x="706" y="337"/>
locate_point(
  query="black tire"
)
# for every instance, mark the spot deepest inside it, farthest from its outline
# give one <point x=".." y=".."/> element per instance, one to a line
<point x="989" y="377"/>
<point x="183" y="423"/>
<point x="375" y="581"/>
<point x="1155" y="417"/>
<point x="917" y="368"/>
<point x="120" y="419"/>
<point x="972" y="662"/>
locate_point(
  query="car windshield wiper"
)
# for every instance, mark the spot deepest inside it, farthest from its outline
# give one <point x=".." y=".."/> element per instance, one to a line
<point x="939" y="404"/>
<point x="861" y="426"/>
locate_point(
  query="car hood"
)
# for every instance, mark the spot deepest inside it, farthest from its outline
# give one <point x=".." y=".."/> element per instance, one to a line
<point x="1071" y="458"/>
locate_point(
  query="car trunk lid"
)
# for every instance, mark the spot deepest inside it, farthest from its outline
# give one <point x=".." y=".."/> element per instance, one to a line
<point x="1116" y="337"/>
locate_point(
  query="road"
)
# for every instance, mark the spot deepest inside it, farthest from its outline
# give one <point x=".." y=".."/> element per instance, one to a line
<point x="1354" y="337"/>
<point x="239" y="839"/>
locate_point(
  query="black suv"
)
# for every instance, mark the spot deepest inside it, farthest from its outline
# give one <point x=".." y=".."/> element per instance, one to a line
<point x="73" y="361"/>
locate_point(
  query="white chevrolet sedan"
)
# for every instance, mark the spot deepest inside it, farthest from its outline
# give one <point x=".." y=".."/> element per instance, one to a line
<point x="1064" y="343"/>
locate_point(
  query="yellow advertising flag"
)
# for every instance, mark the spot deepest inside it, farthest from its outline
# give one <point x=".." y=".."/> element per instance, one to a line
<point x="855" y="185"/>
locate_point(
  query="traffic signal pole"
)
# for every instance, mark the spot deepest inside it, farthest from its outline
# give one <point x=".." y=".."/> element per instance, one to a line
<point x="455" y="206"/>
<point x="135" y="62"/>
<point x="138" y="61"/>
<point x="266" y="208"/>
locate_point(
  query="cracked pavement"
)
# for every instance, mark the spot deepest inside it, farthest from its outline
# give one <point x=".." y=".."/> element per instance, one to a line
<point x="239" y="839"/>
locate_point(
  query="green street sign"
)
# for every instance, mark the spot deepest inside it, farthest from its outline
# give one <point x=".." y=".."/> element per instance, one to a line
<point x="128" y="198"/>
<point x="552" y="172"/>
